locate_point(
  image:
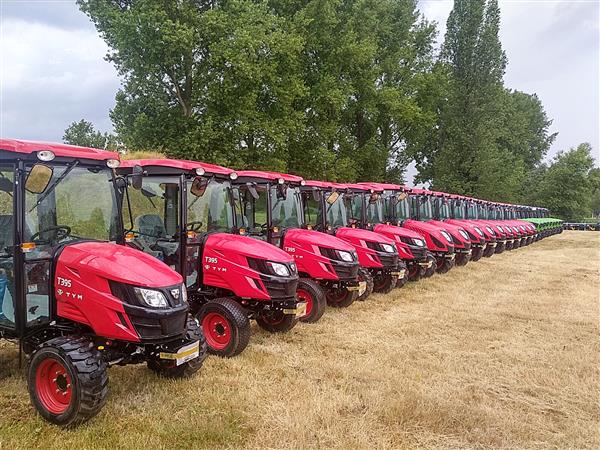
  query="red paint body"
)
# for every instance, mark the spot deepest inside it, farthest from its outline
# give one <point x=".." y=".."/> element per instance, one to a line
<point x="358" y="238"/>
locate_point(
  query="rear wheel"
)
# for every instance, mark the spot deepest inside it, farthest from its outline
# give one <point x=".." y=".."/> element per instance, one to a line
<point x="365" y="275"/>
<point x="431" y="269"/>
<point x="341" y="297"/>
<point x="276" y="321"/>
<point x="444" y="265"/>
<point x="68" y="380"/>
<point x="313" y="294"/>
<point x="384" y="283"/>
<point x="166" y="369"/>
<point x="225" y="325"/>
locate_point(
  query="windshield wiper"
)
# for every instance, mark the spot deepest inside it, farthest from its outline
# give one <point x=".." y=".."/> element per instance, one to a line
<point x="49" y="190"/>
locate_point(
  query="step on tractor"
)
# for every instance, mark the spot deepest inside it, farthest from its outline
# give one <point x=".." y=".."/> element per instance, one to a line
<point x="421" y="206"/>
<point x="443" y="211"/>
<point x="465" y="209"/>
<point x="181" y="212"/>
<point x="381" y="217"/>
<point x="269" y="207"/>
<point x="330" y="208"/>
<point x="75" y="300"/>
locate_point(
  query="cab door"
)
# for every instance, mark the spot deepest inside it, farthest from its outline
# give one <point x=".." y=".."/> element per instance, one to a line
<point x="7" y="234"/>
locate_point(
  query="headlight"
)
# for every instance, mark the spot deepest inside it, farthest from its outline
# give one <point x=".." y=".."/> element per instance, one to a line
<point x="522" y="227"/>
<point x="184" y="296"/>
<point x="500" y="228"/>
<point x="153" y="298"/>
<point x="490" y="230"/>
<point x="388" y="248"/>
<point x="479" y="231"/>
<point x="345" y="256"/>
<point x="464" y="234"/>
<point x="446" y="236"/>
<point x="279" y="269"/>
<point x="419" y="242"/>
<point x="516" y="229"/>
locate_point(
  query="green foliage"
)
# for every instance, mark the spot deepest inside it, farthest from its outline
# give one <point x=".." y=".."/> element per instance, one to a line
<point x="82" y="133"/>
<point x="568" y="184"/>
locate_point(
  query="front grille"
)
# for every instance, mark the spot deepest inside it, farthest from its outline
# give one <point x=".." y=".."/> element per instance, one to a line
<point x="159" y="328"/>
<point x="420" y="253"/>
<point x="281" y="288"/>
<point x="348" y="271"/>
<point x="389" y="261"/>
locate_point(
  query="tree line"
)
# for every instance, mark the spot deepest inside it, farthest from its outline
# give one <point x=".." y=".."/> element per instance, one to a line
<point x="342" y="90"/>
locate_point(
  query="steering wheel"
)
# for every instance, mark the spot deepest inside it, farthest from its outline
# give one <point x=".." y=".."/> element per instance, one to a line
<point x="62" y="232"/>
<point x="264" y="226"/>
<point x="194" y="226"/>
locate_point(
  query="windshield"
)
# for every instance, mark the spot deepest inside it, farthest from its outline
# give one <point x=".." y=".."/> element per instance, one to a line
<point x="208" y="206"/>
<point x="286" y="207"/>
<point x="472" y="211"/>
<point x="251" y="209"/>
<point x="78" y="203"/>
<point x="423" y="204"/>
<point x="339" y="212"/>
<point x="396" y="209"/>
<point x="443" y="208"/>
<point x="375" y="209"/>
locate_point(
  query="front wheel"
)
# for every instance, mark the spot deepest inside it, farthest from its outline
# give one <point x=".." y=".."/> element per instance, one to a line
<point x="432" y="268"/>
<point x="477" y="253"/>
<point x="276" y="321"/>
<point x="341" y="297"/>
<point x="166" y="369"/>
<point x="444" y="265"/>
<point x="225" y="325"/>
<point x="365" y="276"/>
<point x="313" y="294"/>
<point x="384" y="283"/>
<point x="68" y="380"/>
<point x="415" y="271"/>
<point x="462" y="259"/>
<point x="404" y="279"/>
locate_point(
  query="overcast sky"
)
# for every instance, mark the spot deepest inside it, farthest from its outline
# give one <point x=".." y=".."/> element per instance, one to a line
<point x="53" y="71"/>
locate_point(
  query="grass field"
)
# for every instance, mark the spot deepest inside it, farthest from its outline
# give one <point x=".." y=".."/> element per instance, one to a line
<point x="503" y="353"/>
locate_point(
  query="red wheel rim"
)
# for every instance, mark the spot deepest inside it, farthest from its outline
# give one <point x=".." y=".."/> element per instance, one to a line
<point x="53" y="386"/>
<point x="304" y="296"/>
<point x="217" y="330"/>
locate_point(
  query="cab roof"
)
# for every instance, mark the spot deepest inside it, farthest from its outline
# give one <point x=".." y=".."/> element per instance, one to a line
<point x="319" y="184"/>
<point x="59" y="150"/>
<point x="177" y="164"/>
<point x="271" y="176"/>
<point x="385" y="186"/>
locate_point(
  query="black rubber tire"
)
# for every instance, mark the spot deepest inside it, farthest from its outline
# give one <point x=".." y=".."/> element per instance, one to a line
<point x="318" y="300"/>
<point x="462" y="259"/>
<point x="415" y="271"/>
<point x="477" y="253"/>
<point x="384" y="284"/>
<point x="445" y="265"/>
<point x="500" y="247"/>
<point x="365" y="275"/>
<point x="276" y="322"/>
<point x="489" y="251"/>
<point x="237" y="318"/>
<point x="185" y="370"/>
<point x="341" y="298"/>
<point x="88" y="374"/>
<point x="403" y="280"/>
<point x="430" y="271"/>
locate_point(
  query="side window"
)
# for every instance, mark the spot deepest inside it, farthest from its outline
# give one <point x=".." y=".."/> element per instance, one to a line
<point x="7" y="286"/>
<point x="312" y="211"/>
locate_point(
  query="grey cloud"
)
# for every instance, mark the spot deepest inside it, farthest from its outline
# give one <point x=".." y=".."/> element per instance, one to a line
<point x="60" y="14"/>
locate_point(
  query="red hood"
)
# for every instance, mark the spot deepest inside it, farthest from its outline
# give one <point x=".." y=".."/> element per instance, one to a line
<point x="311" y="237"/>
<point x="397" y="231"/>
<point x="119" y="263"/>
<point x="244" y="246"/>
<point x="363" y="235"/>
<point x="425" y="226"/>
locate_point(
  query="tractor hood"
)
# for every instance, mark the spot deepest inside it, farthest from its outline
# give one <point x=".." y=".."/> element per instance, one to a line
<point x="311" y="237"/>
<point x="234" y="247"/>
<point x="396" y="231"/>
<point x="119" y="263"/>
<point x="363" y="235"/>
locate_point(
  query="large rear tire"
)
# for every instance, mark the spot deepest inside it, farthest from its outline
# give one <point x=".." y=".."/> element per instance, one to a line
<point x="276" y="321"/>
<point x="384" y="283"/>
<point x="313" y="294"/>
<point x="225" y="326"/>
<point x="68" y="380"/>
<point x="185" y="370"/>
<point x="365" y="275"/>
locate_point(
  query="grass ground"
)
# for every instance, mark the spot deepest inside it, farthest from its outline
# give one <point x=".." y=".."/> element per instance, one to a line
<point x="503" y="353"/>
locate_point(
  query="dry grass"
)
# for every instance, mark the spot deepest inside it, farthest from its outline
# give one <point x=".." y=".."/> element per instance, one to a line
<point x="503" y="353"/>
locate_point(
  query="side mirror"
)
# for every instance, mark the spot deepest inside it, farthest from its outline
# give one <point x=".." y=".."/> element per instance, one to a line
<point x="402" y="196"/>
<point x="373" y="198"/>
<point x="199" y="186"/>
<point x="332" y="198"/>
<point x="38" y="179"/>
<point x="253" y="192"/>
<point x="137" y="177"/>
<point x="281" y="191"/>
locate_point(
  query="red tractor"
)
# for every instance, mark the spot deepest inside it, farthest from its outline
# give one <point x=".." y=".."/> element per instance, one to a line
<point x="465" y="210"/>
<point x="76" y="301"/>
<point x="384" y="216"/>
<point x="332" y="208"/>
<point x="422" y="209"/>
<point x="269" y="207"/>
<point x="181" y="212"/>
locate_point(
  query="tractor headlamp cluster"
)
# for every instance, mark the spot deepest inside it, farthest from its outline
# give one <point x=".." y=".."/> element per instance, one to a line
<point x="388" y="248"/>
<point x="500" y="228"/>
<point x="464" y="234"/>
<point x="479" y="232"/>
<point x="446" y="236"/>
<point x="418" y="242"/>
<point x="345" y="256"/>
<point x="279" y="269"/>
<point x="490" y="230"/>
<point x="151" y="297"/>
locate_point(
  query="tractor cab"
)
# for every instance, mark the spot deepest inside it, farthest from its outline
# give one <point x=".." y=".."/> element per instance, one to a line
<point x="74" y="299"/>
<point x="338" y="209"/>
<point x="182" y="213"/>
<point x="269" y="206"/>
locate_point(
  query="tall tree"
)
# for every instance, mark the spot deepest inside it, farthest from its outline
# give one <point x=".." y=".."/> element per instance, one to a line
<point x="84" y="134"/>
